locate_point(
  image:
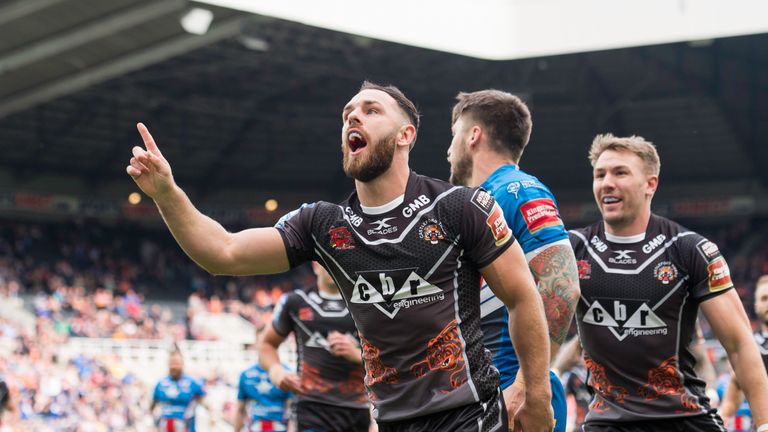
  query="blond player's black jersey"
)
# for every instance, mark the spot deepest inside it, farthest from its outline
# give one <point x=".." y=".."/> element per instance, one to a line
<point x="409" y="274"/>
<point x="761" y="337"/>
<point x="639" y="301"/>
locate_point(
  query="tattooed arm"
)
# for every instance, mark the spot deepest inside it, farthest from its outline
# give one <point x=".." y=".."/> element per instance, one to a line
<point x="558" y="282"/>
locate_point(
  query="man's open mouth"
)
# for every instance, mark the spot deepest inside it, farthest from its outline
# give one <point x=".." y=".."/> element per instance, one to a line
<point x="356" y="141"/>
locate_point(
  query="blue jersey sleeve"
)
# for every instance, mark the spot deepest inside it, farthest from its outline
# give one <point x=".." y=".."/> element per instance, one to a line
<point x="532" y="213"/>
<point x="156" y="393"/>
<point x="241" y="396"/>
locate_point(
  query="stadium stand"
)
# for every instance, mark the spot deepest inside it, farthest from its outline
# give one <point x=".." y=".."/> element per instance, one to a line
<point x="76" y="304"/>
<point x="93" y="292"/>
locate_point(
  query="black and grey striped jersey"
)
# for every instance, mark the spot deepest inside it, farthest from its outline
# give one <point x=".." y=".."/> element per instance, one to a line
<point x="311" y="316"/>
<point x="761" y="337"/>
<point x="640" y="297"/>
<point x="409" y="274"/>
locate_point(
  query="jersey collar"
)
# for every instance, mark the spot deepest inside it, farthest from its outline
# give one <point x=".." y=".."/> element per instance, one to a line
<point x="384" y="207"/>
<point x="395" y="203"/>
<point x="498" y="173"/>
<point x="637" y="238"/>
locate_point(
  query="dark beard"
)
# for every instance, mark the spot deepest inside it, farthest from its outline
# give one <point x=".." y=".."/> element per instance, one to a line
<point x="461" y="172"/>
<point x="378" y="162"/>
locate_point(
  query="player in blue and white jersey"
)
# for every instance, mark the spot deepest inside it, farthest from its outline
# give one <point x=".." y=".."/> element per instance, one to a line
<point x="490" y="131"/>
<point x="260" y="401"/>
<point x="177" y="396"/>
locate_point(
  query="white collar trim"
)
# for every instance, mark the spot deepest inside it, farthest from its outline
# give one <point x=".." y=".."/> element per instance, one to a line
<point x="625" y="239"/>
<point x="383" y="208"/>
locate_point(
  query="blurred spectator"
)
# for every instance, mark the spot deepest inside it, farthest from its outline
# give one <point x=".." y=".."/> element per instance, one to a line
<point x="177" y="396"/>
<point x="91" y="281"/>
<point x="83" y="394"/>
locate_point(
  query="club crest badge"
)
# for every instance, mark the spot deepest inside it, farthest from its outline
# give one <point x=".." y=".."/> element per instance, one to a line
<point x="665" y="272"/>
<point x="584" y="268"/>
<point x="431" y="231"/>
<point x="306" y="314"/>
<point x="341" y="238"/>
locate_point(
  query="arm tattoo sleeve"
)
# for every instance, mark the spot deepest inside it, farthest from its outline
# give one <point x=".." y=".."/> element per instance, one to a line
<point x="558" y="282"/>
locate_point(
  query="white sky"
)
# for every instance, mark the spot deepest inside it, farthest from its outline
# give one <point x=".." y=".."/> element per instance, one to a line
<point x="511" y="29"/>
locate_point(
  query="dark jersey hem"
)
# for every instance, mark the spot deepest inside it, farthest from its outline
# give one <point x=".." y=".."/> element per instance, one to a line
<point x="713" y="295"/>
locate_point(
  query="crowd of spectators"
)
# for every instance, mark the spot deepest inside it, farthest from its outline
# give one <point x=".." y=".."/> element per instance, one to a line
<point x="89" y="280"/>
<point x="92" y="281"/>
<point x="102" y="314"/>
<point x="82" y="394"/>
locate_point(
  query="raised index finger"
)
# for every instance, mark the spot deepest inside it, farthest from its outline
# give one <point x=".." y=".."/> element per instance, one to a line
<point x="149" y="142"/>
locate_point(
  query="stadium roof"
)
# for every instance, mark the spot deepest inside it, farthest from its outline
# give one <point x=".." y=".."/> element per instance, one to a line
<point x="251" y="108"/>
<point x="514" y="29"/>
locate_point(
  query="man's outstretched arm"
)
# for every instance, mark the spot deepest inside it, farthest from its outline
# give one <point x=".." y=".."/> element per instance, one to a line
<point x="253" y="251"/>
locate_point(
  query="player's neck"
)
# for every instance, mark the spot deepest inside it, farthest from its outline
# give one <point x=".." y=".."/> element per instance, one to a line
<point x="764" y="327"/>
<point x="485" y="164"/>
<point x="631" y="228"/>
<point x="386" y="187"/>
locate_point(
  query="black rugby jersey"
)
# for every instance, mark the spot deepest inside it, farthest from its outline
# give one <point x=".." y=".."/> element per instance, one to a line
<point x="409" y="275"/>
<point x="761" y="338"/>
<point x="637" y="317"/>
<point x="326" y="378"/>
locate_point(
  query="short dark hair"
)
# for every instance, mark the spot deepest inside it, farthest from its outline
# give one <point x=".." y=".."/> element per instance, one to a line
<point x="504" y="115"/>
<point x="403" y="102"/>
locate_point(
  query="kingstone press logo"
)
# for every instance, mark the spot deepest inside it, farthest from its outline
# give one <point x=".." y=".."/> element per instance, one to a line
<point x="392" y="290"/>
<point x="539" y="214"/>
<point x="625" y="318"/>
